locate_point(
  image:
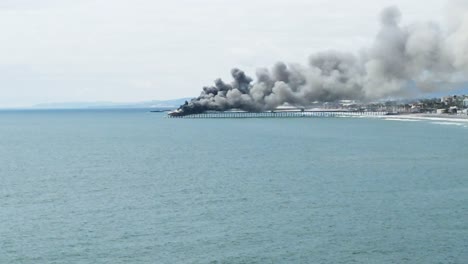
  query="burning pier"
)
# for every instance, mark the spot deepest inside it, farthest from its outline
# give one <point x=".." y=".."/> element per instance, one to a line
<point x="278" y="114"/>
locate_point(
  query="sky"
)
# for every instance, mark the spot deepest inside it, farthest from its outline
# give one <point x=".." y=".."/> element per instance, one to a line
<point x="140" y="50"/>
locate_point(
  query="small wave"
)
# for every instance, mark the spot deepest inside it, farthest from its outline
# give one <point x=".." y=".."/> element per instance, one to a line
<point x="449" y="124"/>
<point x="402" y="119"/>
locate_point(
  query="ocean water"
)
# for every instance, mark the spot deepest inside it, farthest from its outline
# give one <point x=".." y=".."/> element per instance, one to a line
<point x="129" y="186"/>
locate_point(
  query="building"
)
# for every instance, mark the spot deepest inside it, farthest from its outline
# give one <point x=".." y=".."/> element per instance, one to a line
<point x="453" y="110"/>
<point x="446" y="100"/>
<point x="465" y="102"/>
<point x="415" y="108"/>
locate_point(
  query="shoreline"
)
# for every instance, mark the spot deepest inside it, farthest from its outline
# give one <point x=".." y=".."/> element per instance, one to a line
<point x="427" y="117"/>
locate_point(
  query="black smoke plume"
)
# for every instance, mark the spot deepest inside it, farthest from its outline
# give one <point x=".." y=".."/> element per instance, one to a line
<point x="403" y="60"/>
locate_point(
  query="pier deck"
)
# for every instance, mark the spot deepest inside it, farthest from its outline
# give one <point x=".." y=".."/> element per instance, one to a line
<point x="285" y="114"/>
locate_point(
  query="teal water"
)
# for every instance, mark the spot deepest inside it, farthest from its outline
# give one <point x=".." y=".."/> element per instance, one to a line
<point x="134" y="187"/>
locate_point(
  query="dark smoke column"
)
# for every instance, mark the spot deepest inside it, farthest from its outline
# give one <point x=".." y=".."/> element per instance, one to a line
<point x="188" y="109"/>
<point x="221" y="97"/>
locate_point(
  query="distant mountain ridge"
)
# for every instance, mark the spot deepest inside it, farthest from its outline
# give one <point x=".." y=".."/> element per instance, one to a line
<point x="103" y="105"/>
<point x="172" y="104"/>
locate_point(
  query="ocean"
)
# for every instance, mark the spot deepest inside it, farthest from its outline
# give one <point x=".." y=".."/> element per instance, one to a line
<point x="129" y="186"/>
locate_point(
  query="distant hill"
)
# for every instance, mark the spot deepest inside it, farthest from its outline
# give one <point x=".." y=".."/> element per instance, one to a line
<point x="103" y="105"/>
<point x="460" y="91"/>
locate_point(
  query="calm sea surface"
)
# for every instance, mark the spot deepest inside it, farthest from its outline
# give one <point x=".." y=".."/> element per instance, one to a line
<point x="134" y="187"/>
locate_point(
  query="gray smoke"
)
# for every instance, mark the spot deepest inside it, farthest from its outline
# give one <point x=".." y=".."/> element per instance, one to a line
<point x="403" y="61"/>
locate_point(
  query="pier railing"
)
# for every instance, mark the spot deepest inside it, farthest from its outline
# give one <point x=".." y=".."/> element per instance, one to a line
<point x="280" y="114"/>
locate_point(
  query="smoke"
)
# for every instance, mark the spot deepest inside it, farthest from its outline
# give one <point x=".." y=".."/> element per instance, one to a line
<point x="403" y="61"/>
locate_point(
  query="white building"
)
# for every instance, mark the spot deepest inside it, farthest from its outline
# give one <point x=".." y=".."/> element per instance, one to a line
<point x="465" y="102"/>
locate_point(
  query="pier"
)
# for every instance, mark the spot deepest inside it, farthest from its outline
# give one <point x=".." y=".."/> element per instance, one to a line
<point x="281" y="114"/>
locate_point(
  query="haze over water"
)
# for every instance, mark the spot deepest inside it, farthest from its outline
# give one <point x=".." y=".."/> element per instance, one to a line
<point x="128" y="186"/>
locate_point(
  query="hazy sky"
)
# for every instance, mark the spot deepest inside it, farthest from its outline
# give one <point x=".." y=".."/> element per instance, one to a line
<point x="137" y="50"/>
